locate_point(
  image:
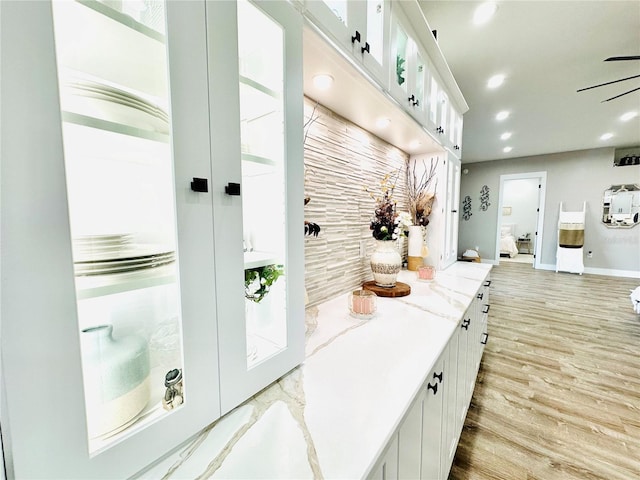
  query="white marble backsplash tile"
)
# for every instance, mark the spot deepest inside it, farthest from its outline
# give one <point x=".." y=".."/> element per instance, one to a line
<point x="340" y="160"/>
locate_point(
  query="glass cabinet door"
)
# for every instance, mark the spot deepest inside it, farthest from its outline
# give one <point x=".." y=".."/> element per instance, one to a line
<point x="121" y="361"/>
<point x="263" y="182"/>
<point x="400" y="54"/>
<point x="120" y="189"/>
<point x="259" y="224"/>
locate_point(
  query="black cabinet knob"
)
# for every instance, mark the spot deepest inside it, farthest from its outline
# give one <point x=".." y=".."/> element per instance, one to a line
<point x="232" y="189"/>
<point x="366" y="48"/>
<point x="433" y="387"/>
<point x="200" y="185"/>
<point x="356" y="37"/>
<point x="438" y="376"/>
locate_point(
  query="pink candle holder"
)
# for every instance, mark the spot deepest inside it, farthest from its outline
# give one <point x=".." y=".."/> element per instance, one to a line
<point x="426" y="273"/>
<point x="362" y="303"/>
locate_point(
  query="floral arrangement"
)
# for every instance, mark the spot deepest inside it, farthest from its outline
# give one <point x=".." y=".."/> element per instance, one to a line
<point x="419" y="194"/>
<point x="258" y="281"/>
<point x="385" y="223"/>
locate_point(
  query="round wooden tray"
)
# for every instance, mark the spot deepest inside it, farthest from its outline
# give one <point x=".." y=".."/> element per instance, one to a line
<point x="400" y="290"/>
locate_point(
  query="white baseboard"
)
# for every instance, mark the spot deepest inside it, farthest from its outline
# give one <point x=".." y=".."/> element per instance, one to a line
<point x="598" y="271"/>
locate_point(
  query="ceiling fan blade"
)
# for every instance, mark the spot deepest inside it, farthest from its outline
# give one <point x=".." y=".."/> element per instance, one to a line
<point x="607" y="83"/>
<point x="622" y="94"/>
<point x="618" y="59"/>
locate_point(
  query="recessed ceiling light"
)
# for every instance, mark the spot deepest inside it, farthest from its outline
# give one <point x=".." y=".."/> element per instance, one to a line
<point x="383" y="122"/>
<point x="415" y="144"/>
<point x="505" y="136"/>
<point x="495" y="81"/>
<point x="502" y="115"/>
<point x="323" y="81"/>
<point x="507" y="149"/>
<point x="484" y="12"/>
<point x="606" y="136"/>
<point x="628" y="116"/>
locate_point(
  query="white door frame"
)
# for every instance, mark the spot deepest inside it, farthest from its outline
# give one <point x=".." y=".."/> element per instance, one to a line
<point x="542" y="178"/>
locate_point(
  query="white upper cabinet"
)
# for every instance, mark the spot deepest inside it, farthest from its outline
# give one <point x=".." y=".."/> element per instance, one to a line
<point x="409" y="73"/>
<point x="140" y="147"/>
<point x="358" y="27"/>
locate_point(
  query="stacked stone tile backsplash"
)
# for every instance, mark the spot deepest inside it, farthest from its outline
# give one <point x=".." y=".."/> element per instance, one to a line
<point x="340" y="160"/>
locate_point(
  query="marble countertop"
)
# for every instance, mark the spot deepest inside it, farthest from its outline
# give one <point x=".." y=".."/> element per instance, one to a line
<point x="332" y="416"/>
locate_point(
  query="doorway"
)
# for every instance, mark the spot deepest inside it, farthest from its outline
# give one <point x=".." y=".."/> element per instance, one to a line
<point x="521" y="217"/>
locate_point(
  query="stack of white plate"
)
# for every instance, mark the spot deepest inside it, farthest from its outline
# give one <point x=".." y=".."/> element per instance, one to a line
<point x="106" y="102"/>
<point x="116" y="253"/>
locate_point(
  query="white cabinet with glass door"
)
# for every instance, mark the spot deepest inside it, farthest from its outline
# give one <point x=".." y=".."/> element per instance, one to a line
<point x="117" y="232"/>
<point x="454" y="134"/>
<point x="409" y="69"/>
<point x="442" y="231"/>
<point x="258" y="205"/>
<point x="360" y="28"/>
<point x="109" y="349"/>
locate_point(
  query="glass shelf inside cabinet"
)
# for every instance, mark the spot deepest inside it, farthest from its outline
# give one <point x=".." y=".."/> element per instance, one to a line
<point x="121" y="197"/>
<point x="263" y="177"/>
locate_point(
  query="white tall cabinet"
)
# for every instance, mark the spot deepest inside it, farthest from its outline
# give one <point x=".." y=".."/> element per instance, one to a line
<point x="134" y="164"/>
<point x="442" y="231"/>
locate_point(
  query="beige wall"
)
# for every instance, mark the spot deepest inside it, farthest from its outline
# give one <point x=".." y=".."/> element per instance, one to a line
<point x="341" y="159"/>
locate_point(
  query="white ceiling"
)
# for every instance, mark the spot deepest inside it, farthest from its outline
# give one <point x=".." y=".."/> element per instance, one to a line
<point x="546" y="49"/>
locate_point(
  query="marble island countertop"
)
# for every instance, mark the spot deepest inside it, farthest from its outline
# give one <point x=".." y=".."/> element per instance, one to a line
<point x="332" y="416"/>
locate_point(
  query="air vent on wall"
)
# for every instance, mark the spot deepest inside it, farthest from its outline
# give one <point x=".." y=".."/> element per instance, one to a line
<point x="623" y="157"/>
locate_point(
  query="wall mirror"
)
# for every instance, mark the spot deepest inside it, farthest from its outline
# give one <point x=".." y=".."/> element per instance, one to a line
<point x="621" y="206"/>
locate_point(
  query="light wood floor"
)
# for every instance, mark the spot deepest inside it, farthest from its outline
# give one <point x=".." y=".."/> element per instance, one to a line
<point x="558" y="393"/>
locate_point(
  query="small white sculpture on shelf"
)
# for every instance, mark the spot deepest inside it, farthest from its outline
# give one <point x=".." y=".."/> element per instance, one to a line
<point x="635" y="299"/>
<point x="174" y="395"/>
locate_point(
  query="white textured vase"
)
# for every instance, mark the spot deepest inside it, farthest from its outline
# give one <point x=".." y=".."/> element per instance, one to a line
<point x="116" y="379"/>
<point x="385" y="263"/>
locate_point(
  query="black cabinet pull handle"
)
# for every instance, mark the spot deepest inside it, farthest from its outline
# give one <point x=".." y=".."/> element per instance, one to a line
<point x="365" y="48"/>
<point x="487" y="310"/>
<point x="356" y="37"/>
<point x="454" y="211"/>
<point x="485" y="338"/>
<point x="232" y="189"/>
<point x="438" y="376"/>
<point x="465" y="323"/>
<point x="412" y="98"/>
<point x="200" y="185"/>
<point x="433" y="387"/>
<point x="487" y="283"/>
<point x="481" y="295"/>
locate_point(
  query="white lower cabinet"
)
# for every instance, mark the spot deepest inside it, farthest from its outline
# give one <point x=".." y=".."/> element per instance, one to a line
<point x="432" y="420"/>
<point x="425" y="443"/>
<point x="387" y="467"/>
